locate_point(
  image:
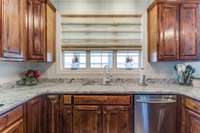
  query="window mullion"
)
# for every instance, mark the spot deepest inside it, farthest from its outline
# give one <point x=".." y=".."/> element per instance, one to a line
<point x="115" y="59"/>
<point x="88" y="66"/>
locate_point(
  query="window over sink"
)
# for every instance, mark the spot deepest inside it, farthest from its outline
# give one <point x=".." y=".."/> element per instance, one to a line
<point x="77" y="60"/>
<point x="91" y="42"/>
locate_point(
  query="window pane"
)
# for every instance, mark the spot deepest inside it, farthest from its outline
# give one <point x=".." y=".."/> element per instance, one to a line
<point x="74" y="59"/>
<point x="99" y="59"/>
<point x="128" y="59"/>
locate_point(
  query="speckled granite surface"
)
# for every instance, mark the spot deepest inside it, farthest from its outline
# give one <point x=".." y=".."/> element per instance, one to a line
<point x="16" y="95"/>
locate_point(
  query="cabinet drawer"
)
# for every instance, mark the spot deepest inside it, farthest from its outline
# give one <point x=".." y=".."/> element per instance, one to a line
<point x="67" y="99"/>
<point x="3" y="121"/>
<point x="111" y="100"/>
<point x="17" y="127"/>
<point x="11" y="117"/>
<point x="192" y="104"/>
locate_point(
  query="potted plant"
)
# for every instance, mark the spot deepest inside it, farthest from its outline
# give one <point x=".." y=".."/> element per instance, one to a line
<point x="29" y="78"/>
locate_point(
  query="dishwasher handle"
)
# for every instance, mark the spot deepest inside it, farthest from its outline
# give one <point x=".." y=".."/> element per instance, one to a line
<point x="156" y="101"/>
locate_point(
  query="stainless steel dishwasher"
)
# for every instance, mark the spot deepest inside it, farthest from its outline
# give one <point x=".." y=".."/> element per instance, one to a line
<point x="155" y="114"/>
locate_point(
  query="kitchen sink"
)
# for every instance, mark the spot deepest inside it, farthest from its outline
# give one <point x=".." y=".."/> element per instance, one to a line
<point x="1" y="105"/>
<point x="99" y="83"/>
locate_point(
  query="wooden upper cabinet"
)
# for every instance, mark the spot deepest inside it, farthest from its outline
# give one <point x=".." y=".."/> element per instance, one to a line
<point x="87" y="119"/>
<point x="117" y="119"/>
<point x="173" y="31"/>
<point x="27" y="30"/>
<point x="169" y="32"/>
<point x="189" y="30"/>
<point x="34" y="114"/>
<point x="36" y="28"/>
<point x="50" y="32"/>
<point x="14" y="31"/>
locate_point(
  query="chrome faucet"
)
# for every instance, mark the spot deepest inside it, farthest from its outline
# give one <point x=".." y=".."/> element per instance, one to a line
<point x="107" y="78"/>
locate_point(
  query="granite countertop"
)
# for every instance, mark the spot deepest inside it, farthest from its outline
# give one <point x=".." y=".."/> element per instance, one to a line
<point x="14" y="96"/>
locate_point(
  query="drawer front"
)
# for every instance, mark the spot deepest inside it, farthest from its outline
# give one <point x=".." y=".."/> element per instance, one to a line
<point x="17" y="127"/>
<point x="110" y="100"/>
<point x="3" y="121"/>
<point x="67" y="99"/>
<point x="11" y="117"/>
<point x="192" y="104"/>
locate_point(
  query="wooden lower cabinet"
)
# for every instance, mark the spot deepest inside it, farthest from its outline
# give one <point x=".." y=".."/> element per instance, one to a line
<point x="67" y="119"/>
<point x="190" y="116"/>
<point x="17" y="127"/>
<point x="34" y="114"/>
<point x="13" y="121"/>
<point x="52" y="110"/>
<point x="192" y="122"/>
<point x="96" y="114"/>
<point x="87" y="119"/>
<point x="117" y="119"/>
<point x="60" y="114"/>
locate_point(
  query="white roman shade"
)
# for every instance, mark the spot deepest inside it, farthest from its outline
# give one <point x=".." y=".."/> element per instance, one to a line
<point x="101" y="31"/>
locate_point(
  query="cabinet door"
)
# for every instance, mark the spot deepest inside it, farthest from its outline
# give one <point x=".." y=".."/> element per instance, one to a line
<point x="36" y="35"/>
<point x="169" y="32"/>
<point x="14" y="33"/>
<point x="17" y="127"/>
<point x="192" y="122"/>
<point x="67" y="119"/>
<point x="87" y="119"/>
<point x="34" y="116"/>
<point x="53" y="114"/>
<point x="189" y="29"/>
<point x="117" y="119"/>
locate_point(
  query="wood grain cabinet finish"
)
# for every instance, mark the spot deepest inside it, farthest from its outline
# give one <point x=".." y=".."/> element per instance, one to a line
<point x="67" y="119"/>
<point x="102" y="114"/>
<point x="192" y="121"/>
<point x="13" y="121"/>
<point x="50" y="32"/>
<point x="189" y="31"/>
<point x="173" y="31"/>
<point x="14" y="32"/>
<point x="190" y="116"/>
<point x="53" y="114"/>
<point x="102" y="100"/>
<point x="59" y="114"/>
<point x="17" y="127"/>
<point x="34" y="113"/>
<point x="117" y="119"/>
<point x="36" y="30"/>
<point x="169" y="32"/>
<point x="27" y="30"/>
<point x="87" y="119"/>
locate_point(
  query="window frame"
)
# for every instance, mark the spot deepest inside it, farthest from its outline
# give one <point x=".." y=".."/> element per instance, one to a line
<point x="114" y="61"/>
<point x="90" y="63"/>
<point x="71" y="69"/>
<point x="139" y="60"/>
